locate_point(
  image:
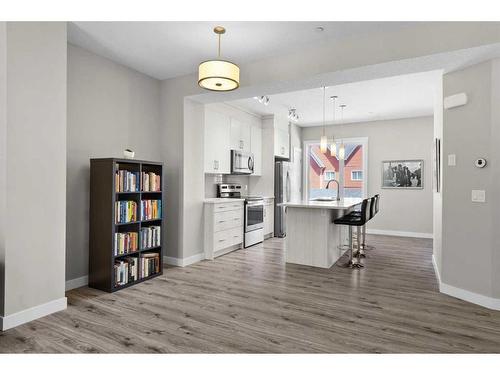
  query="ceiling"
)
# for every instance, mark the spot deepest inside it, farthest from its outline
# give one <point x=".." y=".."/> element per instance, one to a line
<point x="169" y="49"/>
<point x="403" y="96"/>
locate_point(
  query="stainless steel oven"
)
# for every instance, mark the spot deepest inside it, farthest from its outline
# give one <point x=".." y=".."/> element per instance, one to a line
<point x="254" y="220"/>
<point x="241" y="162"/>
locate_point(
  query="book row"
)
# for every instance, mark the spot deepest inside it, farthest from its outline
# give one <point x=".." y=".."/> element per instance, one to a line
<point x="131" y="269"/>
<point x="150" y="209"/>
<point x="125" y="211"/>
<point x="126" y="270"/>
<point x="126" y="242"/>
<point x="126" y="181"/>
<point x="150" y="236"/>
<point x="150" y="181"/>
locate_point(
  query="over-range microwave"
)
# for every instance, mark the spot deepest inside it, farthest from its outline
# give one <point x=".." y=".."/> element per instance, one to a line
<point x="241" y="162"/>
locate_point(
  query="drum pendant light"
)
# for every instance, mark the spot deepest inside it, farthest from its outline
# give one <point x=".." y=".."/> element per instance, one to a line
<point x="219" y="75"/>
<point x="323" y="143"/>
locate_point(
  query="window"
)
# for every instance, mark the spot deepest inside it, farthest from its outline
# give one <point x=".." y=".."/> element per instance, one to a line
<point x="319" y="168"/>
<point x="329" y="175"/>
<point x="357" y="175"/>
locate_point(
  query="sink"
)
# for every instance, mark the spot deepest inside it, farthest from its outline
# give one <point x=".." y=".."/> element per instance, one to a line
<point x="325" y="199"/>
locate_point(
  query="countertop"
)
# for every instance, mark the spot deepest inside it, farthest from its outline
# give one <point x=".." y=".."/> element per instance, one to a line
<point x="223" y="200"/>
<point x="334" y="205"/>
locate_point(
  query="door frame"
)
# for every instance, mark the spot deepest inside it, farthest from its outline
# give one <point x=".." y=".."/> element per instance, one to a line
<point x="305" y="165"/>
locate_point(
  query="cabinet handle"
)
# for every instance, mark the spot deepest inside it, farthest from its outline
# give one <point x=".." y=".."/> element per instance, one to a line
<point x="221" y="240"/>
<point x="235" y="236"/>
<point x="222" y="221"/>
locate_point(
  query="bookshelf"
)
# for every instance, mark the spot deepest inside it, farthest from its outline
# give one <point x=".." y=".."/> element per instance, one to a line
<point x="121" y="213"/>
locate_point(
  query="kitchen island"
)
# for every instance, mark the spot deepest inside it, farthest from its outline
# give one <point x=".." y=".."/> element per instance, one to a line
<point x="312" y="239"/>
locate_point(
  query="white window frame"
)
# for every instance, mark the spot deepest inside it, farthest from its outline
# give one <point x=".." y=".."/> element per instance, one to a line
<point x="334" y="175"/>
<point x="357" y="179"/>
<point x="305" y="169"/>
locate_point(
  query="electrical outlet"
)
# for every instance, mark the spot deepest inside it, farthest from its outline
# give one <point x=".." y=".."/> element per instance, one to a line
<point x="479" y="196"/>
<point x="452" y="160"/>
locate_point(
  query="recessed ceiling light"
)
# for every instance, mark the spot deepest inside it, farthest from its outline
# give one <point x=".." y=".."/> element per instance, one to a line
<point x="319" y="29"/>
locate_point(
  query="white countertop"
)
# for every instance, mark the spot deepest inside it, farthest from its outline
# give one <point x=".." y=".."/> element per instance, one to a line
<point x="223" y="200"/>
<point x="333" y="205"/>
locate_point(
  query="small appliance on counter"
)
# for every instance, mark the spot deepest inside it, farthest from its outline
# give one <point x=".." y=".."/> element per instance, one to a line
<point x="253" y="212"/>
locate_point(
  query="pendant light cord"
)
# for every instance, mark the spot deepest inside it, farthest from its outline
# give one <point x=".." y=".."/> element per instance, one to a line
<point x="324" y="96"/>
<point x="218" y="51"/>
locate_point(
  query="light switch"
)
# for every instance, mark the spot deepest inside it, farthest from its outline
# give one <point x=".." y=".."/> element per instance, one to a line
<point x="452" y="160"/>
<point x="478" y="196"/>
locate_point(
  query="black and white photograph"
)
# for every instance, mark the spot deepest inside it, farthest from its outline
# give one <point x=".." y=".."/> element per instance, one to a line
<point x="402" y="174"/>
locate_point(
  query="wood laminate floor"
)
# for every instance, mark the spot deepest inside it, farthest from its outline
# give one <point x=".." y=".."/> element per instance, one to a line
<point x="250" y="301"/>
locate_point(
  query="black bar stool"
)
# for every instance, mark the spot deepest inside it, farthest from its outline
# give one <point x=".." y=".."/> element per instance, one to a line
<point x="357" y="220"/>
<point x="374" y="211"/>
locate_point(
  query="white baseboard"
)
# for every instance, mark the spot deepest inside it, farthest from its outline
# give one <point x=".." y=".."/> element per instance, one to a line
<point x="399" y="233"/>
<point x="37" y="312"/>
<point x="465" y="295"/>
<point x="77" y="283"/>
<point x="184" y="262"/>
<point x="436" y="271"/>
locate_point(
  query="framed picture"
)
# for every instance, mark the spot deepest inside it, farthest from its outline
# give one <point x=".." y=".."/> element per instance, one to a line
<point x="402" y="174"/>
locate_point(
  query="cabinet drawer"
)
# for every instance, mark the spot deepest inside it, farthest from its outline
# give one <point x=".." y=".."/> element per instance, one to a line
<point x="224" y="222"/>
<point x="228" y="206"/>
<point x="227" y="238"/>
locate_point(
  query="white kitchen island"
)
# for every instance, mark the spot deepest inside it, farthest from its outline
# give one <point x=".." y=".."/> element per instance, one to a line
<point x="312" y="239"/>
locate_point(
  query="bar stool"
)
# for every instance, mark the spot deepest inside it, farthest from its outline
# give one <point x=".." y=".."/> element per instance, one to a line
<point x="364" y="246"/>
<point x="353" y="219"/>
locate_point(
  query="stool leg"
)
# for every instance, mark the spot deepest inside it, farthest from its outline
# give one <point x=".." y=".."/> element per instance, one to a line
<point x="357" y="263"/>
<point x="352" y="262"/>
<point x="350" y="245"/>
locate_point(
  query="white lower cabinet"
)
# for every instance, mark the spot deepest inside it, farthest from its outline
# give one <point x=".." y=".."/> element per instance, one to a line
<point x="268" y="217"/>
<point x="223" y="227"/>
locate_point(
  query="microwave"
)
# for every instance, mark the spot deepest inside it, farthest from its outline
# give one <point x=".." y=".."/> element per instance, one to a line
<point x="241" y="162"/>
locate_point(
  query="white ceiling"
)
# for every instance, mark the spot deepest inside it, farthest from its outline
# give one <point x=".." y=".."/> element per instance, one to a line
<point x="169" y="49"/>
<point x="403" y="96"/>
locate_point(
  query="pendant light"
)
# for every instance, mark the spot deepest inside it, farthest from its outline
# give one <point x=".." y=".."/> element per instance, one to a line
<point x="342" y="147"/>
<point x="219" y="75"/>
<point x="323" y="144"/>
<point x="333" y="147"/>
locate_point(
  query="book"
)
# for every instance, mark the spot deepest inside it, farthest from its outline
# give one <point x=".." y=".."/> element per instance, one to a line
<point x="150" y="237"/>
<point x="149" y="264"/>
<point x="150" y="181"/>
<point x="125" y="212"/>
<point x="126" y="181"/>
<point x="125" y="243"/>
<point x="126" y="271"/>
<point x="150" y="209"/>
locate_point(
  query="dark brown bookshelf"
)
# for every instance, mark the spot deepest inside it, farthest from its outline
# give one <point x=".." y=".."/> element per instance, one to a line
<point x="103" y="196"/>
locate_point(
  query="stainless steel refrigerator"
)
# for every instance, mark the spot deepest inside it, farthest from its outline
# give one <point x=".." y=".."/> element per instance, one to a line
<point x="282" y="194"/>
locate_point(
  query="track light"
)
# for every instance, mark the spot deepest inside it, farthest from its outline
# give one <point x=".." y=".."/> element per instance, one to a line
<point x="264" y="99"/>
<point x="292" y="115"/>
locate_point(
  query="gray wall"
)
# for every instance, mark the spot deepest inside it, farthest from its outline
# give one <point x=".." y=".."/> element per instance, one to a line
<point x="312" y="62"/>
<point x="400" y="210"/>
<point x="110" y="108"/>
<point x="437" y="196"/>
<point x="35" y="164"/>
<point x="3" y="155"/>
<point x="468" y="228"/>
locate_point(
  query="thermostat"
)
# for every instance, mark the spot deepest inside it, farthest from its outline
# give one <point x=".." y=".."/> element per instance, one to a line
<point x="480" y="162"/>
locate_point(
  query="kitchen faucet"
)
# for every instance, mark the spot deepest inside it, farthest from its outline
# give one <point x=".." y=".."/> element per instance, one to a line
<point x="338" y="188"/>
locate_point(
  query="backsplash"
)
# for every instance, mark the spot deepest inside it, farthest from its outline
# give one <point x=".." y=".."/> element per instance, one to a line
<point x="211" y="182"/>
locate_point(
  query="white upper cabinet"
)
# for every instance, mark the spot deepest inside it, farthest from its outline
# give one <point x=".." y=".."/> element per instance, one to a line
<point x="281" y="143"/>
<point x="256" y="148"/>
<point x="240" y="135"/>
<point x="217" y="142"/>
